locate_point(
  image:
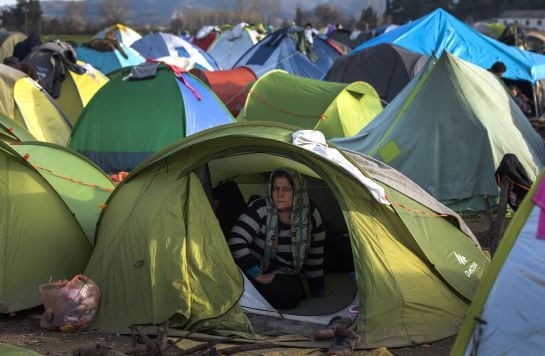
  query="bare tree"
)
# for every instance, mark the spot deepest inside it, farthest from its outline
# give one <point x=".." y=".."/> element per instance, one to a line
<point x="270" y="9"/>
<point x="300" y="16"/>
<point x="73" y="21"/>
<point x="177" y="24"/>
<point x="327" y="14"/>
<point x="113" y="11"/>
<point x="368" y="19"/>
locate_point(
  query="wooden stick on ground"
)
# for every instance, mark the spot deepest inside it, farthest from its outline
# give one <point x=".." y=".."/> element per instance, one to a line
<point x="496" y="229"/>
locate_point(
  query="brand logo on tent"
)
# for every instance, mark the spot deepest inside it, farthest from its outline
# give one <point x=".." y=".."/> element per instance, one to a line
<point x="471" y="270"/>
<point x="461" y="259"/>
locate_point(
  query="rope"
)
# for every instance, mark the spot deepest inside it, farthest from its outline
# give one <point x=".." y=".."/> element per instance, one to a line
<point x="263" y="70"/>
<point x="178" y="72"/>
<point x="421" y="212"/>
<point x="277" y="108"/>
<point x="11" y="131"/>
<point x="72" y="179"/>
<point x="498" y="181"/>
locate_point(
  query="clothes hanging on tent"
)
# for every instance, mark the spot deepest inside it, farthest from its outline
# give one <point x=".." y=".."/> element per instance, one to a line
<point x="315" y="141"/>
<point x="510" y="168"/>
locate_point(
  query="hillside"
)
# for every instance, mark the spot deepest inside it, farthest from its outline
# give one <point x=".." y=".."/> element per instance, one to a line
<point x="160" y="12"/>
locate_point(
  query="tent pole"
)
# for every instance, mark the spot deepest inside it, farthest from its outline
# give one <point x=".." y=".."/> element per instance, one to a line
<point x="536" y="109"/>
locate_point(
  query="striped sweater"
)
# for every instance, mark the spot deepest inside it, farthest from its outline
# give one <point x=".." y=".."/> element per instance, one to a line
<point x="247" y="244"/>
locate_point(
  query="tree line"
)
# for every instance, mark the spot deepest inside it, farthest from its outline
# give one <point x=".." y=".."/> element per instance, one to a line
<point x="27" y="15"/>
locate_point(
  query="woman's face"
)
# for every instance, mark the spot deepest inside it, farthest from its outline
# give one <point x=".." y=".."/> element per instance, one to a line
<point x="282" y="194"/>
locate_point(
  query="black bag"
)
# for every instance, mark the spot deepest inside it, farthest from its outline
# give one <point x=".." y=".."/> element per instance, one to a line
<point x="510" y="168"/>
<point x="228" y="204"/>
<point x="338" y="253"/>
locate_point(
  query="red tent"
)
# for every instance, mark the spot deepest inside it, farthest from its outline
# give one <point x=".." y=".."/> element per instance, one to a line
<point x="206" y="41"/>
<point x="231" y="86"/>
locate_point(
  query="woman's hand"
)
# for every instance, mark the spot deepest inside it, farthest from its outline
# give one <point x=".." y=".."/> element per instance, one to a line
<point x="265" y="278"/>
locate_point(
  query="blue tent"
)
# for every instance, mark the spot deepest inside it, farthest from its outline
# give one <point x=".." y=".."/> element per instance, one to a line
<point x="440" y="31"/>
<point x="109" y="61"/>
<point x="284" y="49"/>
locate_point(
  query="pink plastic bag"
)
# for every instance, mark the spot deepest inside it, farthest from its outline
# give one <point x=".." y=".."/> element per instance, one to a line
<point x="69" y="305"/>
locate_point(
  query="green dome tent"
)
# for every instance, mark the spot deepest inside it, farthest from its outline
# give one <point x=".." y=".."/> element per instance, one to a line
<point x="10" y="350"/>
<point x="140" y="111"/>
<point x="448" y="131"/>
<point x="40" y="240"/>
<point x="11" y="132"/>
<point x="82" y="185"/>
<point x="161" y="254"/>
<point x="335" y="109"/>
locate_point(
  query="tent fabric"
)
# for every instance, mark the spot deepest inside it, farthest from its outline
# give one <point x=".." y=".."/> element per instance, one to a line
<point x="468" y="122"/>
<point x="439" y="31"/>
<point x="8" y="40"/>
<point x="349" y="38"/>
<point x="11" y="132"/>
<point x="109" y="61"/>
<point x="231" y="86"/>
<point x="205" y="37"/>
<point x="82" y="185"/>
<point x="114" y="129"/>
<point x="40" y="240"/>
<point x="386" y="67"/>
<point x="25" y="101"/>
<point x="535" y="41"/>
<point x="123" y="34"/>
<point x="504" y="317"/>
<point x="78" y="90"/>
<point x="491" y="29"/>
<point x="174" y="274"/>
<point x="10" y="350"/>
<point x="160" y="44"/>
<point x="282" y="49"/>
<point x="159" y="236"/>
<point x="232" y="44"/>
<point x="71" y="82"/>
<point x="335" y="109"/>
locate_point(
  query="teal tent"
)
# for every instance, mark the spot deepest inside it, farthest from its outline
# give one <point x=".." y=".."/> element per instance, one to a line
<point x="448" y="131"/>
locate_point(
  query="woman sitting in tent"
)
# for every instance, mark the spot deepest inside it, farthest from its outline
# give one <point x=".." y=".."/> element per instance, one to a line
<point x="278" y="242"/>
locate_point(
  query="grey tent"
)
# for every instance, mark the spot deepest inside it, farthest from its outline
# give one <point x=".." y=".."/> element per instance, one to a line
<point x="387" y="67"/>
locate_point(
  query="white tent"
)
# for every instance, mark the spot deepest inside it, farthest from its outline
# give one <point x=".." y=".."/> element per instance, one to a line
<point x="232" y="44"/>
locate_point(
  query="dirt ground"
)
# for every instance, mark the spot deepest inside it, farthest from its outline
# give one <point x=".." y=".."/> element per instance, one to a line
<point x="23" y="330"/>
